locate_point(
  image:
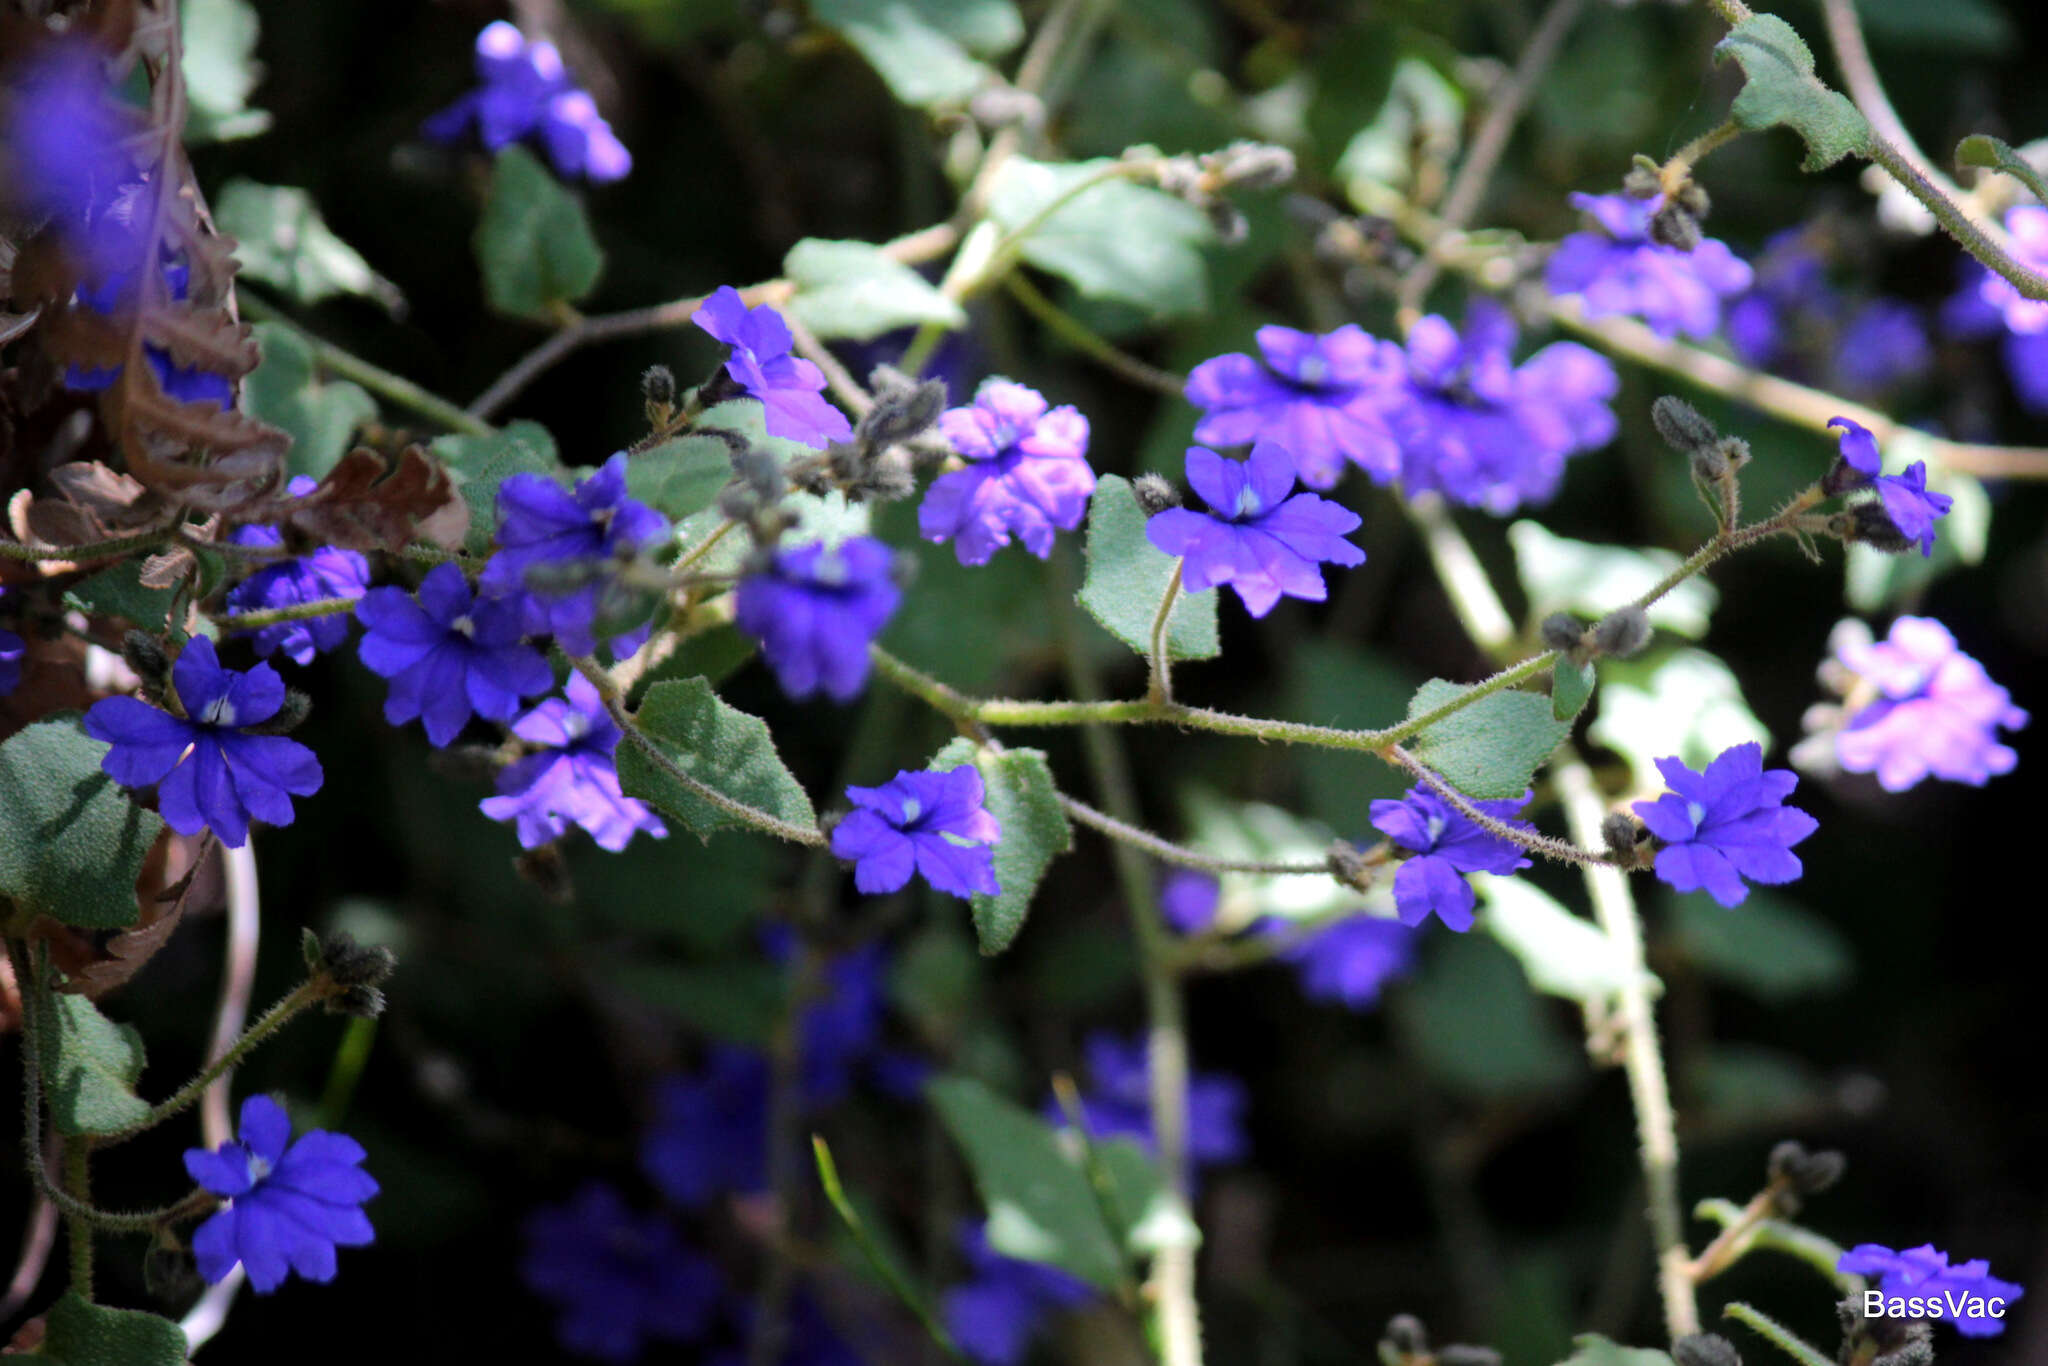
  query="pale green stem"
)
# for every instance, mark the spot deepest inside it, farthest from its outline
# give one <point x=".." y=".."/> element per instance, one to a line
<point x="1160" y="692"/>
<point x="397" y="388"/>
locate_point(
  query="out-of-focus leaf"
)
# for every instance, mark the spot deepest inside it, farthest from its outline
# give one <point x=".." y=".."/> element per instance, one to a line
<point x="1491" y="748"/>
<point x="1333" y="683"/>
<point x="681" y="476"/>
<point x="1019" y="792"/>
<point x="1685" y="703"/>
<point x="1976" y="27"/>
<point x="1114" y="240"/>
<point x="1739" y="1084"/>
<point x="77" y="1332"/>
<point x="534" y="242"/>
<point x="739" y="1000"/>
<point x="1775" y="949"/>
<point x="1596" y="1350"/>
<point x="1040" y="1205"/>
<point x="479" y="464"/>
<point x="71" y="843"/>
<point x="1561" y="575"/>
<point x="1474" y="1025"/>
<point x="1128" y="575"/>
<point x="1562" y="954"/>
<point x="1256" y="832"/>
<point x="1143" y="1218"/>
<point x="1352" y="75"/>
<point x="321" y="415"/>
<point x="1422" y="110"/>
<point x="90" y="1067"/>
<point x="1780" y="87"/>
<point x="924" y="49"/>
<point x="219" y="38"/>
<point x="718" y="745"/>
<point x="854" y="289"/>
<point x="1981" y="149"/>
<point x="281" y="239"/>
<point x="118" y="591"/>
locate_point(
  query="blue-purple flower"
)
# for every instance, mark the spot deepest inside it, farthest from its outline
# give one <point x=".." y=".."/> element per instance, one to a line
<point x="790" y="388"/>
<point x="329" y="572"/>
<point x="1794" y="322"/>
<point x="450" y="655"/>
<point x="1619" y="270"/>
<point x="1988" y="304"/>
<point x="12" y="649"/>
<point x="571" y="778"/>
<point x="1354" y="959"/>
<point x="289" y="1203"/>
<point x="1316" y="397"/>
<point x="617" y="1278"/>
<point x="559" y="550"/>
<point x="1962" y="1295"/>
<point x="997" y="1314"/>
<point x="1935" y="712"/>
<point x="526" y="96"/>
<point x="815" y="609"/>
<point x="1883" y="345"/>
<point x="1117" y="1102"/>
<point x="61" y="148"/>
<point x="117" y="241"/>
<point x="1485" y="432"/>
<point x="212" y="770"/>
<point x="1188" y="900"/>
<point x="1027" y="474"/>
<point x="1445" y="845"/>
<point x="1255" y="537"/>
<point x="1726" y="824"/>
<point x="930" y="822"/>
<point x="709" y="1134"/>
<point x="1908" y="503"/>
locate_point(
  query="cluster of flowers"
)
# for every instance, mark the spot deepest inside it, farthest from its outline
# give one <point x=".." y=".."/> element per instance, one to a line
<point x="1795" y="322"/>
<point x="526" y="96"/>
<point x="1987" y="305"/>
<point x="1968" y="1296"/>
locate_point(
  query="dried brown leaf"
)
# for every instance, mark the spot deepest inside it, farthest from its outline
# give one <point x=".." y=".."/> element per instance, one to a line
<point x="365" y="503"/>
<point x="203" y="338"/>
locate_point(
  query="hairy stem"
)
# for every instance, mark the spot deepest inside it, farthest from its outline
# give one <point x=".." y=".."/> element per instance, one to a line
<point x="1535" y="843"/>
<point x="1090" y="343"/>
<point x="308" y="993"/>
<point x="298" y="611"/>
<point x="1159" y="691"/>
<point x="1168" y="852"/>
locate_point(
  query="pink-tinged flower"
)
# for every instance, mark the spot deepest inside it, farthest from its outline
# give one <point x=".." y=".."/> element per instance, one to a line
<point x="1316" y="397"/>
<point x="1937" y="713"/>
<point x="1255" y="537"/>
<point x="1619" y="270"/>
<point x="526" y="96"/>
<point x="790" y="388"/>
<point x="571" y="779"/>
<point x="1027" y="474"/>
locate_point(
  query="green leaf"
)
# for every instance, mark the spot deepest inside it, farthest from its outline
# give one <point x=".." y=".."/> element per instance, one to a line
<point x="1561" y="575"/>
<point x="1021" y="795"/>
<point x="855" y="289"/>
<point x="1743" y="1085"/>
<point x="1775" y="949"/>
<point x="71" y="843"/>
<point x="118" y="591"/>
<point x="681" y="476"/>
<point x="1040" y="1205"/>
<point x="1981" y="149"/>
<point x="1562" y="954"/>
<point x="1127" y="578"/>
<point x="922" y="48"/>
<point x="479" y="464"/>
<point x="1684" y="703"/>
<point x="718" y="745"/>
<point x="534" y="242"/>
<point x="1472" y="1022"/>
<point x="1780" y="87"/>
<point x="321" y="415"/>
<point x="1114" y="241"/>
<point x="1593" y="1349"/>
<point x="1571" y="687"/>
<point x="79" y="1333"/>
<point x="281" y="239"/>
<point x="1145" y="1220"/>
<point x="90" y="1067"/>
<point x="221" y="71"/>
<point x="1491" y="748"/>
<point x="1423" y="114"/>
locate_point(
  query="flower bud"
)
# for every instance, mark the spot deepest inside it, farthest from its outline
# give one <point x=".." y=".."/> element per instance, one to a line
<point x="1808" y="1173"/>
<point x="1622" y="632"/>
<point x="1682" y="425"/>
<point x="1005" y="106"/>
<point x="297" y="707"/>
<point x="658" y="386"/>
<point x="1349" y="866"/>
<point x="1867" y="523"/>
<point x="1644" y="180"/>
<point x="1623" y="835"/>
<point x="144" y="654"/>
<point x="1155" y="493"/>
<point x="1229" y="224"/>
<point x="345" y="962"/>
<point x="1705" y="1349"/>
<point x="1253" y="165"/>
<point x="1562" y="631"/>
<point x="901" y="412"/>
<point x="1674" y="227"/>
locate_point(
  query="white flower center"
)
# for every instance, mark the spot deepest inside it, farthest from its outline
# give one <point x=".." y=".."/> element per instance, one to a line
<point x="219" y="712"/>
<point x="1698" y="813"/>
<point x="464" y="625"/>
<point x="1435" y="826"/>
<point x="577" y="725"/>
<point x="912" y="809"/>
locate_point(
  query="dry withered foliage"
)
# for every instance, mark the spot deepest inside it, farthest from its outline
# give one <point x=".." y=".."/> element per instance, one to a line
<point x="181" y="873"/>
<point x="369" y="503"/>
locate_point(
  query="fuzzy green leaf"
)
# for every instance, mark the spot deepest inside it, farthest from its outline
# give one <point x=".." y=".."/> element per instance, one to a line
<point x="321" y="415"/>
<point x="281" y="239"/>
<point x="479" y="464"/>
<point x="118" y="591"/>
<point x="718" y="745"/>
<point x="90" y="1067"/>
<point x="1774" y="949"/>
<point x="1020" y="794"/>
<point x="681" y="476"/>
<point x="1115" y="241"/>
<point x="1981" y="149"/>
<point x="79" y="1333"/>
<point x="1491" y="748"/>
<point x="1127" y="578"/>
<point x="534" y="242"/>
<point x="1561" y="953"/>
<point x="1780" y="87"/>
<point x="71" y="843"/>
<point x="854" y="289"/>
<point x="1040" y="1205"/>
<point x="1571" y="687"/>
